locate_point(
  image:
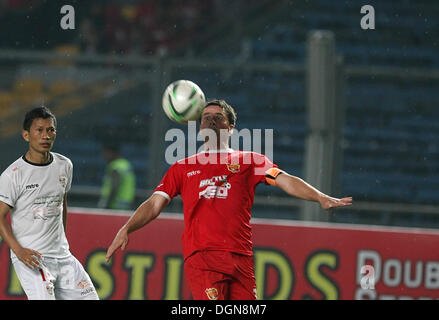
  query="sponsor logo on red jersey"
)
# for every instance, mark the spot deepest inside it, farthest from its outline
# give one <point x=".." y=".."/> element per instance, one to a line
<point x="213" y="190"/>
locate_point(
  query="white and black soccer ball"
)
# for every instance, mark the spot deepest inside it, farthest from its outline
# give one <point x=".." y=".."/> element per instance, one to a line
<point x="183" y="101"/>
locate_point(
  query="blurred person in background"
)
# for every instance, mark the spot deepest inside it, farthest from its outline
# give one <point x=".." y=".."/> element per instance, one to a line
<point x="217" y="188"/>
<point x="119" y="183"/>
<point x="34" y="190"/>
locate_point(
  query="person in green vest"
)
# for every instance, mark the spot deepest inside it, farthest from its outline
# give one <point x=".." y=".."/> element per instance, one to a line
<point x="119" y="182"/>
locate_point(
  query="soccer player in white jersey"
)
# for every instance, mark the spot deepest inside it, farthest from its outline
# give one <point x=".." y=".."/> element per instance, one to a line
<point x="33" y="189"/>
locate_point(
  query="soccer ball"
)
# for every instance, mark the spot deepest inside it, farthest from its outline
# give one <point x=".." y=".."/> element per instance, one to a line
<point x="183" y="101"/>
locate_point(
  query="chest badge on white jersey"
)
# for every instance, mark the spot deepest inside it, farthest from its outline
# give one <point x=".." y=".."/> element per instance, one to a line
<point x="63" y="181"/>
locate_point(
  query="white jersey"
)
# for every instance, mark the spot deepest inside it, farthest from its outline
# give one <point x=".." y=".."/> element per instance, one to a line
<point x="36" y="194"/>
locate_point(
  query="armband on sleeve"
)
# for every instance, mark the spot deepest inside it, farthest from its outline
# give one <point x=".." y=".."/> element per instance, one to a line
<point x="271" y="174"/>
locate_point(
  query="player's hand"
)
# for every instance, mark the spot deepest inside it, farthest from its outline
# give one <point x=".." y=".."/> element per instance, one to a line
<point x="29" y="257"/>
<point x="328" y="202"/>
<point x="120" y="241"/>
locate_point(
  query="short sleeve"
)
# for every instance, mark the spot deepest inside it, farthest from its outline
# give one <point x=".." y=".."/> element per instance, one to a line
<point x="69" y="175"/>
<point x="170" y="185"/>
<point x="8" y="191"/>
<point x="261" y="165"/>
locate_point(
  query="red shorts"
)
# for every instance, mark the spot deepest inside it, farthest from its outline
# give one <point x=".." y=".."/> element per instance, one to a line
<point x="220" y="275"/>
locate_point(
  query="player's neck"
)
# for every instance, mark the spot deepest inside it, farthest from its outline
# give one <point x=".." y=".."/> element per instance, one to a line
<point x="37" y="157"/>
<point x="216" y="147"/>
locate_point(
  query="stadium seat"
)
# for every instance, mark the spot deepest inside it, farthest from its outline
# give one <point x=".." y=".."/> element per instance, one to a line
<point x="28" y="87"/>
<point x="58" y="88"/>
<point x="6" y="100"/>
<point x="67" y="50"/>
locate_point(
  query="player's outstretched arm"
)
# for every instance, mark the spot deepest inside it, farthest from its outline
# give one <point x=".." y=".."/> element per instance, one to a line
<point x="144" y="214"/>
<point x="28" y="256"/>
<point x="299" y="188"/>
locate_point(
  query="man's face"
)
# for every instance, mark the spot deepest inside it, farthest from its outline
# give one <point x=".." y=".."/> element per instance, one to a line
<point x="215" y="118"/>
<point x="41" y="135"/>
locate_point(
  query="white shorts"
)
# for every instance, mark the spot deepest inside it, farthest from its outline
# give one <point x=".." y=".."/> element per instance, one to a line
<point x="55" y="279"/>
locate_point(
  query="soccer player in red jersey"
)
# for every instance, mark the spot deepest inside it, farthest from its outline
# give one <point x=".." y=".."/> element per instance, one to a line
<point x="217" y="188"/>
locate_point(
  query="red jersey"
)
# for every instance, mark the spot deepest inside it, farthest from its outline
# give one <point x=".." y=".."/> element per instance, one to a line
<point x="217" y="190"/>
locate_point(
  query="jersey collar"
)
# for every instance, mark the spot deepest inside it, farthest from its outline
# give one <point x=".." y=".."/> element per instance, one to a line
<point x="38" y="164"/>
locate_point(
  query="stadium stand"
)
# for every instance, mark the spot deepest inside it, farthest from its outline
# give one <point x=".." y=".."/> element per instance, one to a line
<point x="391" y="132"/>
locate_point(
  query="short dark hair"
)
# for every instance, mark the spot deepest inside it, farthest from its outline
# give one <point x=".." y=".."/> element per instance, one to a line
<point x="228" y="109"/>
<point x="38" y="112"/>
